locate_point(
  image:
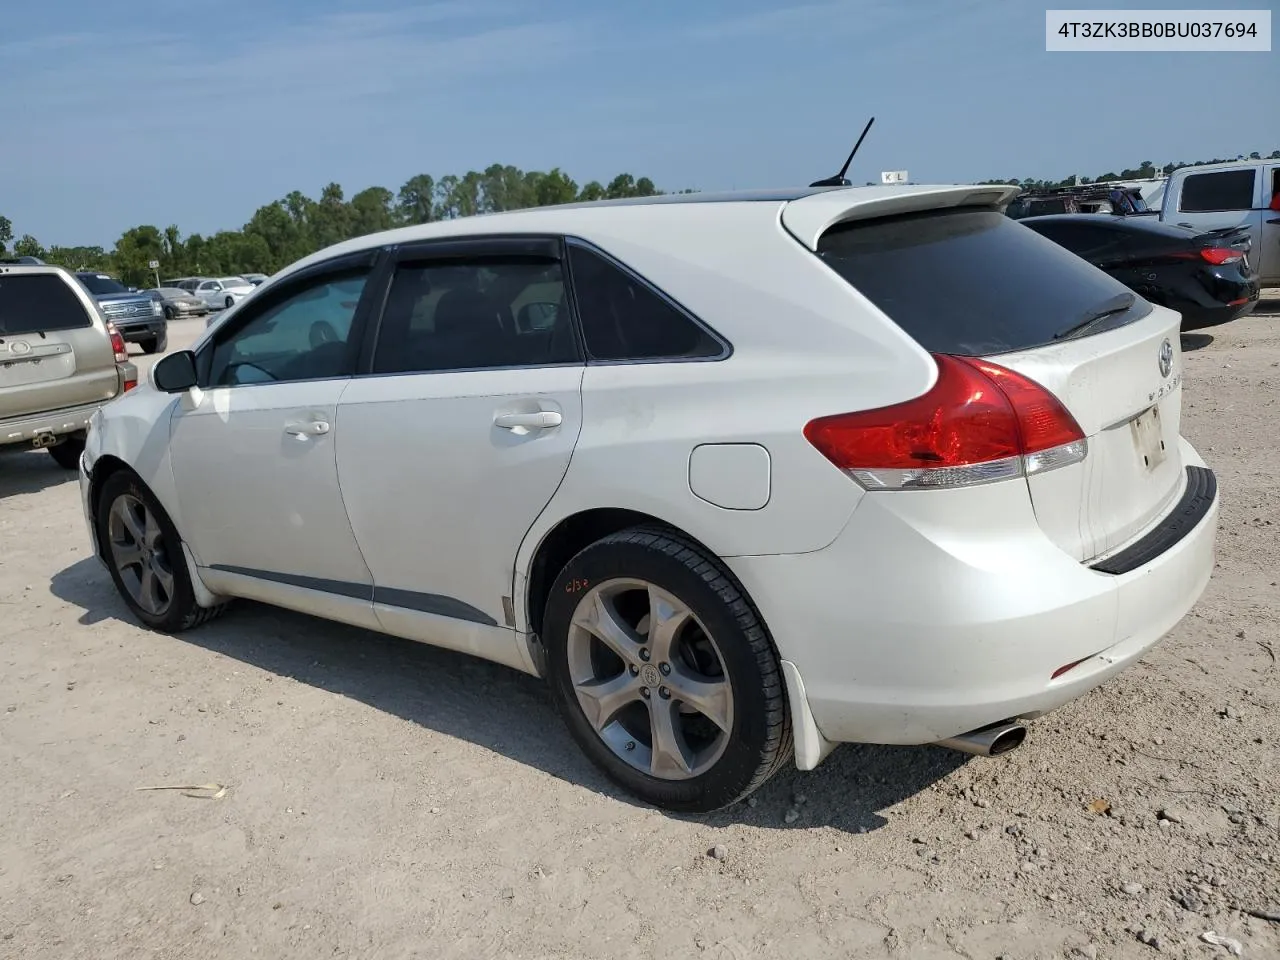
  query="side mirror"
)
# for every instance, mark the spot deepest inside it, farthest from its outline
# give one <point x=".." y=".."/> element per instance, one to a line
<point x="175" y="373"/>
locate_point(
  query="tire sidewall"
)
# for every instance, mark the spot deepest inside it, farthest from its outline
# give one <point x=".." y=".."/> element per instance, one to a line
<point x="736" y="769"/>
<point x="183" y="602"/>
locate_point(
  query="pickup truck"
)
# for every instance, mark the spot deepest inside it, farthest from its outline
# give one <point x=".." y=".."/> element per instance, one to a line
<point x="139" y="319"/>
<point x="1241" y="193"/>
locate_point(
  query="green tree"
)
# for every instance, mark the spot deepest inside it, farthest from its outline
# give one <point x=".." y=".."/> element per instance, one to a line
<point x="416" y="201"/>
<point x="371" y="212"/>
<point x="550" y="188"/>
<point x="136" y="247"/>
<point x="6" y="233"/>
<point x="592" y="191"/>
<point x="29" y="246"/>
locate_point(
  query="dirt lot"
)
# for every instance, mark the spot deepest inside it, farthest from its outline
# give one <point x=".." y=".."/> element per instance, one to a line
<point x="386" y="800"/>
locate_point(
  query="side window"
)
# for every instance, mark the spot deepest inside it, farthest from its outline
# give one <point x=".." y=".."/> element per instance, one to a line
<point x="475" y="314"/>
<point x="623" y="319"/>
<point x="1212" y="192"/>
<point x="300" y="335"/>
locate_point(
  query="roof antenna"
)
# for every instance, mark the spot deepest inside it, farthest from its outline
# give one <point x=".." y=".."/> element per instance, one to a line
<point x="838" y="180"/>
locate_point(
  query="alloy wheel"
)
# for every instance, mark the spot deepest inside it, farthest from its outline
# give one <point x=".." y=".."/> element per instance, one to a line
<point x="137" y="547"/>
<point x="650" y="679"/>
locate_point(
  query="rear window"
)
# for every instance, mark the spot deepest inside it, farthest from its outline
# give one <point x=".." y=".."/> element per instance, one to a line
<point x="1213" y="192"/>
<point x="38" y="302"/>
<point x="99" y="283"/>
<point x="974" y="282"/>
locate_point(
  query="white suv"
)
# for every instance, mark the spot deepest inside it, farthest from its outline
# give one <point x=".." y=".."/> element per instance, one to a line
<point x="742" y="476"/>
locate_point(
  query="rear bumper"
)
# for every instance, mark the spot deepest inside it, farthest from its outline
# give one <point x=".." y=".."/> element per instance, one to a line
<point x="920" y="622"/>
<point x="56" y="422"/>
<point x="147" y="330"/>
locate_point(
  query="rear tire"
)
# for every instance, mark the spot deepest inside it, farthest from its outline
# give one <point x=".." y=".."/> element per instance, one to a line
<point x="229" y="303"/>
<point x="67" y="453"/>
<point x="144" y="554"/>
<point x="664" y="672"/>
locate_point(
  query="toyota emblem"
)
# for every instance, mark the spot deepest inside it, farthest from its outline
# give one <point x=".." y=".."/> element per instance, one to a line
<point x="1166" y="358"/>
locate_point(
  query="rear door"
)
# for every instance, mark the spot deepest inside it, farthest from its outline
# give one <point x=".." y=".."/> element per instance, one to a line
<point x="972" y="282"/>
<point x="54" y="350"/>
<point x="460" y="433"/>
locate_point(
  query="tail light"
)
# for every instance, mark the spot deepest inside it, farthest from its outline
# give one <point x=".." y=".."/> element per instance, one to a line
<point x="980" y="422"/>
<point x="1220" y="255"/>
<point x="130" y="382"/>
<point x="117" y="343"/>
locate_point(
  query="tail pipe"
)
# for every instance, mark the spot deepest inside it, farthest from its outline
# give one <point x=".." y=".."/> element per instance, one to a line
<point x="988" y="741"/>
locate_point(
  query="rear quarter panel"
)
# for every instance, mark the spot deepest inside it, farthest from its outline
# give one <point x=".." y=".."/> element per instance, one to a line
<point x="804" y="344"/>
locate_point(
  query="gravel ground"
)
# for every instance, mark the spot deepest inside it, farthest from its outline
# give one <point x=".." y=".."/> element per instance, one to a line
<point x="387" y="800"/>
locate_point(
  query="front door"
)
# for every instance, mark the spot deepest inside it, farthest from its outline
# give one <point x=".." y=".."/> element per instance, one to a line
<point x="460" y="436"/>
<point x="253" y="448"/>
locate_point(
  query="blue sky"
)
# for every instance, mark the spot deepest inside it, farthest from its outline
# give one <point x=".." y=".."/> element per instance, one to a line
<point x="196" y="112"/>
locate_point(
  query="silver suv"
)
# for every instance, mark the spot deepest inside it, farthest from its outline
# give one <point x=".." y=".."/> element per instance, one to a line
<point x="60" y="360"/>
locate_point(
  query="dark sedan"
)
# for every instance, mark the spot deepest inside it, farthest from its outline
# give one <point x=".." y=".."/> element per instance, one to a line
<point x="1205" y="276"/>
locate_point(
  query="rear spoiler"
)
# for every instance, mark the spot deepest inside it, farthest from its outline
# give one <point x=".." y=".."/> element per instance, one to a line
<point x="1237" y="237"/>
<point x="809" y="217"/>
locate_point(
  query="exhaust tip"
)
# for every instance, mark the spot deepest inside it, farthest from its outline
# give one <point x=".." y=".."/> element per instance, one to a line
<point x="988" y="741"/>
<point x="1010" y="738"/>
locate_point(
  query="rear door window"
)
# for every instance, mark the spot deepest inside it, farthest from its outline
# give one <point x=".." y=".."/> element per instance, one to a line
<point x="38" y="303"/>
<point x="975" y="282"/>
<point x="1215" y="192"/>
<point x="625" y="319"/>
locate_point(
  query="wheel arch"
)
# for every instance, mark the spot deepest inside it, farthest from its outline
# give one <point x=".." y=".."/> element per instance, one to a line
<point x="572" y="534"/>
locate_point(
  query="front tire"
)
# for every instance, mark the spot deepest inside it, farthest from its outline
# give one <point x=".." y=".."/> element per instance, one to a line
<point x="664" y="672"/>
<point x="229" y="303"/>
<point x="144" y="554"/>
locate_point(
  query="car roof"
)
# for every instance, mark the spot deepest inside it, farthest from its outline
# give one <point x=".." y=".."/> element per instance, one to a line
<point x="1224" y="165"/>
<point x="808" y="212"/>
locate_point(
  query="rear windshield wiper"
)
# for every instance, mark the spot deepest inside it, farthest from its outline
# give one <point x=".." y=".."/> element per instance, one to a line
<point x="1117" y="304"/>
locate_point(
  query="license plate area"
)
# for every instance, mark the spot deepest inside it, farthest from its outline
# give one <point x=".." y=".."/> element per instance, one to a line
<point x="1148" y="438"/>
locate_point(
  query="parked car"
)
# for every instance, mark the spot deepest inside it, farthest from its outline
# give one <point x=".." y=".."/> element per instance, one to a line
<point x="139" y="319"/>
<point x="1090" y="198"/>
<point x="60" y="361"/>
<point x="182" y="283"/>
<point x="223" y="292"/>
<point x="1206" y="277"/>
<point x="742" y="476"/>
<point x="1241" y="193"/>
<point x="257" y="279"/>
<point x="176" y="302"/>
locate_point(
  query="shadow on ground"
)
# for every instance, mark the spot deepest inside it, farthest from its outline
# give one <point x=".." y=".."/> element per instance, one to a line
<point x="1195" y="341"/>
<point x="503" y="710"/>
<point x="23" y="470"/>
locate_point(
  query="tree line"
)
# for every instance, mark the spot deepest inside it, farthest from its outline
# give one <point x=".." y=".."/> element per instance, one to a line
<point x="296" y="225"/>
<point x="1144" y="171"/>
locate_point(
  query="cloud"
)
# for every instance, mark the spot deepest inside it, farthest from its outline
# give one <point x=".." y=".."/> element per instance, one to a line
<point x="319" y="65"/>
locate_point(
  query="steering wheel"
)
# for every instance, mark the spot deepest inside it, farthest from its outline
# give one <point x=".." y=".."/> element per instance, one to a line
<point x="322" y="332"/>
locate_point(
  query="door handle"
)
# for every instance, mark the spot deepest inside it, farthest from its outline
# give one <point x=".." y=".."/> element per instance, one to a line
<point x="540" y="420"/>
<point x="313" y="428"/>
